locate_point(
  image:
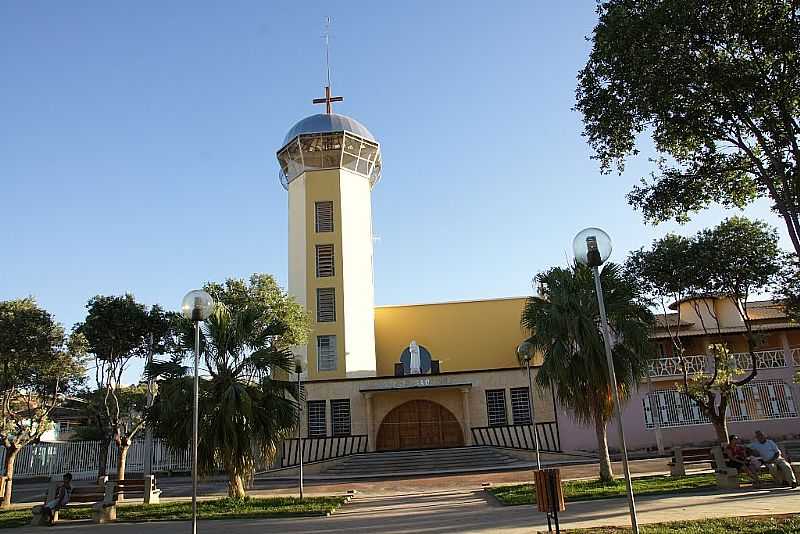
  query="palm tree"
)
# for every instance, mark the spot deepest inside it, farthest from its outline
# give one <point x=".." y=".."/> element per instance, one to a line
<point x="245" y="410"/>
<point x="564" y="322"/>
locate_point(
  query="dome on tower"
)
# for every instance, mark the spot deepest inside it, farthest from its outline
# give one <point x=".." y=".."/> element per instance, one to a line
<point x="328" y="122"/>
<point x="329" y="141"/>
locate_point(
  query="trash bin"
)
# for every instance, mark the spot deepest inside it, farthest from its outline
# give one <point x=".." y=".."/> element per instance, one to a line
<point x="549" y="494"/>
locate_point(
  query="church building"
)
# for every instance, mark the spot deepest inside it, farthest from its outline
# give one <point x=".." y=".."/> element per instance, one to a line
<point x="446" y="374"/>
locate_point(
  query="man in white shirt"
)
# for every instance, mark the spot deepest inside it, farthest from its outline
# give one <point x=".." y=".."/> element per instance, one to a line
<point x="771" y="457"/>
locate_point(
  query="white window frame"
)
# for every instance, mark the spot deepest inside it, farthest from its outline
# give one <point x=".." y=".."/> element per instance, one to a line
<point x="329" y="315"/>
<point x="316" y="423"/>
<point x="319" y="225"/>
<point x="341" y="417"/>
<point x="327" y="361"/>
<point x="521" y="406"/>
<point x="318" y="251"/>
<point x="496" y="410"/>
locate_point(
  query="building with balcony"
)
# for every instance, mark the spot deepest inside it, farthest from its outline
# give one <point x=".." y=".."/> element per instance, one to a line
<point x="446" y="374"/>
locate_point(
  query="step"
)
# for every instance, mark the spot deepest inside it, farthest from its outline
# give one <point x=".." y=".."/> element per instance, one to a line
<point x="453" y="459"/>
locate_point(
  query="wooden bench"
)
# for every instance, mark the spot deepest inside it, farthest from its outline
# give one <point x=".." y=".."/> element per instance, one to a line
<point x="117" y="491"/>
<point x="103" y="497"/>
<point x="791" y="451"/>
<point x="682" y="457"/>
<point x="727" y="477"/>
<point x="81" y="496"/>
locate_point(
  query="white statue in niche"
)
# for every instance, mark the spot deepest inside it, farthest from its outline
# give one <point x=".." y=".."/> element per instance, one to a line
<point x="414" y="364"/>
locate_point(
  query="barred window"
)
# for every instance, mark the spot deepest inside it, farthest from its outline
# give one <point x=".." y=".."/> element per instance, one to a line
<point x="326" y="353"/>
<point x="496" y="406"/>
<point x="325" y="261"/>
<point x="316" y="419"/>
<point x="326" y="304"/>
<point x="324" y="216"/>
<point x="756" y="400"/>
<point x="520" y="406"/>
<point x="340" y="417"/>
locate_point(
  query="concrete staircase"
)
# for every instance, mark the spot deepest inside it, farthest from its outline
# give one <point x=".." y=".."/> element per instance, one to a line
<point x="452" y="460"/>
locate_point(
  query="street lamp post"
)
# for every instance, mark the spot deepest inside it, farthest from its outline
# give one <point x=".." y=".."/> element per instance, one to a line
<point x="197" y="305"/>
<point x="592" y="247"/>
<point x="299" y="369"/>
<point x="525" y="353"/>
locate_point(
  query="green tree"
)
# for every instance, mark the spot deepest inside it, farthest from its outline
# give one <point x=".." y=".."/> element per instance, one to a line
<point x="715" y="84"/>
<point x="119" y="329"/>
<point x="246" y="408"/>
<point x="279" y="314"/>
<point x="39" y="366"/>
<point x="733" y="261"/>
<point x="564" y="325"/>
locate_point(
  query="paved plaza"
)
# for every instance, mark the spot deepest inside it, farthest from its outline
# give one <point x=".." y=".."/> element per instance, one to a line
<point x="451" y="504"/>
<point x="474" y="511"/>
<point x="25" y="492"/>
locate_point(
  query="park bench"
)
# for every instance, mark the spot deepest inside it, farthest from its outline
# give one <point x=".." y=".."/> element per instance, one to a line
<point x="791" y="451"/>
<point x="682" y="457"/>
<point x="80" y="497"/>
<point x="727" y="477"/>
<point x="103" y="497"/>
<point x="117" y="491"/>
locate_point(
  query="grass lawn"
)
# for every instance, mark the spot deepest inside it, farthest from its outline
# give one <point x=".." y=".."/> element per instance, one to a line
<point x="583" y="490"/>
<point x="750" y="525"/>
<point x="251" y="508"/>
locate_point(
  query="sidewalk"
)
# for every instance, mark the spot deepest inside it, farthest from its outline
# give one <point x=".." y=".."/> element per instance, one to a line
<point x="474" y="511"/>
<point x="181" y="486"/>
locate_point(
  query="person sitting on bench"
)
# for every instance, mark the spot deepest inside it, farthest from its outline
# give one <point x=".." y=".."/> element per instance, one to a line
<point x="63" y="493"/>
<point x="737" y="458"/>
<point x="770" y="455"/>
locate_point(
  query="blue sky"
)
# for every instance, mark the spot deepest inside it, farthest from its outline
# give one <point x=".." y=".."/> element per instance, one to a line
<point x="137" y="143"/>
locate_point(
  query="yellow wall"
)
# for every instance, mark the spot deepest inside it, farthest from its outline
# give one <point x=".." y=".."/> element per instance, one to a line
<point x="352" y="243"/>
<point x="463" y="336"/>
<point x="321" y="186"/>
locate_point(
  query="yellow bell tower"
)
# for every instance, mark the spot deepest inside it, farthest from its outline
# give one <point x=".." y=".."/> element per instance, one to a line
<point x="329" y="164"/>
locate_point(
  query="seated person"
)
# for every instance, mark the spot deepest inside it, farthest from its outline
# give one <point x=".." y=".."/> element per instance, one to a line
<point x="737" y="458"/>
<point x="770" y="455"/>
<point x="61" y="499"/>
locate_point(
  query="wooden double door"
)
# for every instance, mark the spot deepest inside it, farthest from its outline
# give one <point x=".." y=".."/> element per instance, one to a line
<point x="419" y="424"/>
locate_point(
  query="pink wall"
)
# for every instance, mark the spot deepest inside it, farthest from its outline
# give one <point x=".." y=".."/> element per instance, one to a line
<point x="578" y="437"/>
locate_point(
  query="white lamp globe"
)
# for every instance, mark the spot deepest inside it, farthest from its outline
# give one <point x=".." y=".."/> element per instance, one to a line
<point x="197" y="305"/>
<point x="525" y="351"/>
<point x="592" y="247"/>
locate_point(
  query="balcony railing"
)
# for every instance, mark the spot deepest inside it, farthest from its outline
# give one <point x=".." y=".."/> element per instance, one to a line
<point x="672" y="366"/>
<point x="766" y="359"/>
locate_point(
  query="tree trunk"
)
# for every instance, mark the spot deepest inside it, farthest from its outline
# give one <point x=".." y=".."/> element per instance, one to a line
<point x="606" y="474"/>
<point x="8" y="472"/>
<point x="235" y="485"/>
<point x="102" y="458"/>
<point x="720" y="427"/>
<point x="122" y="459"/>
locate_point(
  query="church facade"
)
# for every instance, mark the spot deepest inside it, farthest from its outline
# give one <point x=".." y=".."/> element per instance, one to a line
<point x="441" y="374"/>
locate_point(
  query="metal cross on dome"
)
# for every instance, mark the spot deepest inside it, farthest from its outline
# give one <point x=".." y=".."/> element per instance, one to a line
<point x="328" y="100"/>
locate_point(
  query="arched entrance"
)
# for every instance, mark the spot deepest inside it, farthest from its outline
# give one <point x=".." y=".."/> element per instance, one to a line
<point x="419" y="424"/>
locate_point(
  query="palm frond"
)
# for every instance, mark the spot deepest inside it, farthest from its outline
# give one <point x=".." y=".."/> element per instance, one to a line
<point x="565" y="329"/>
